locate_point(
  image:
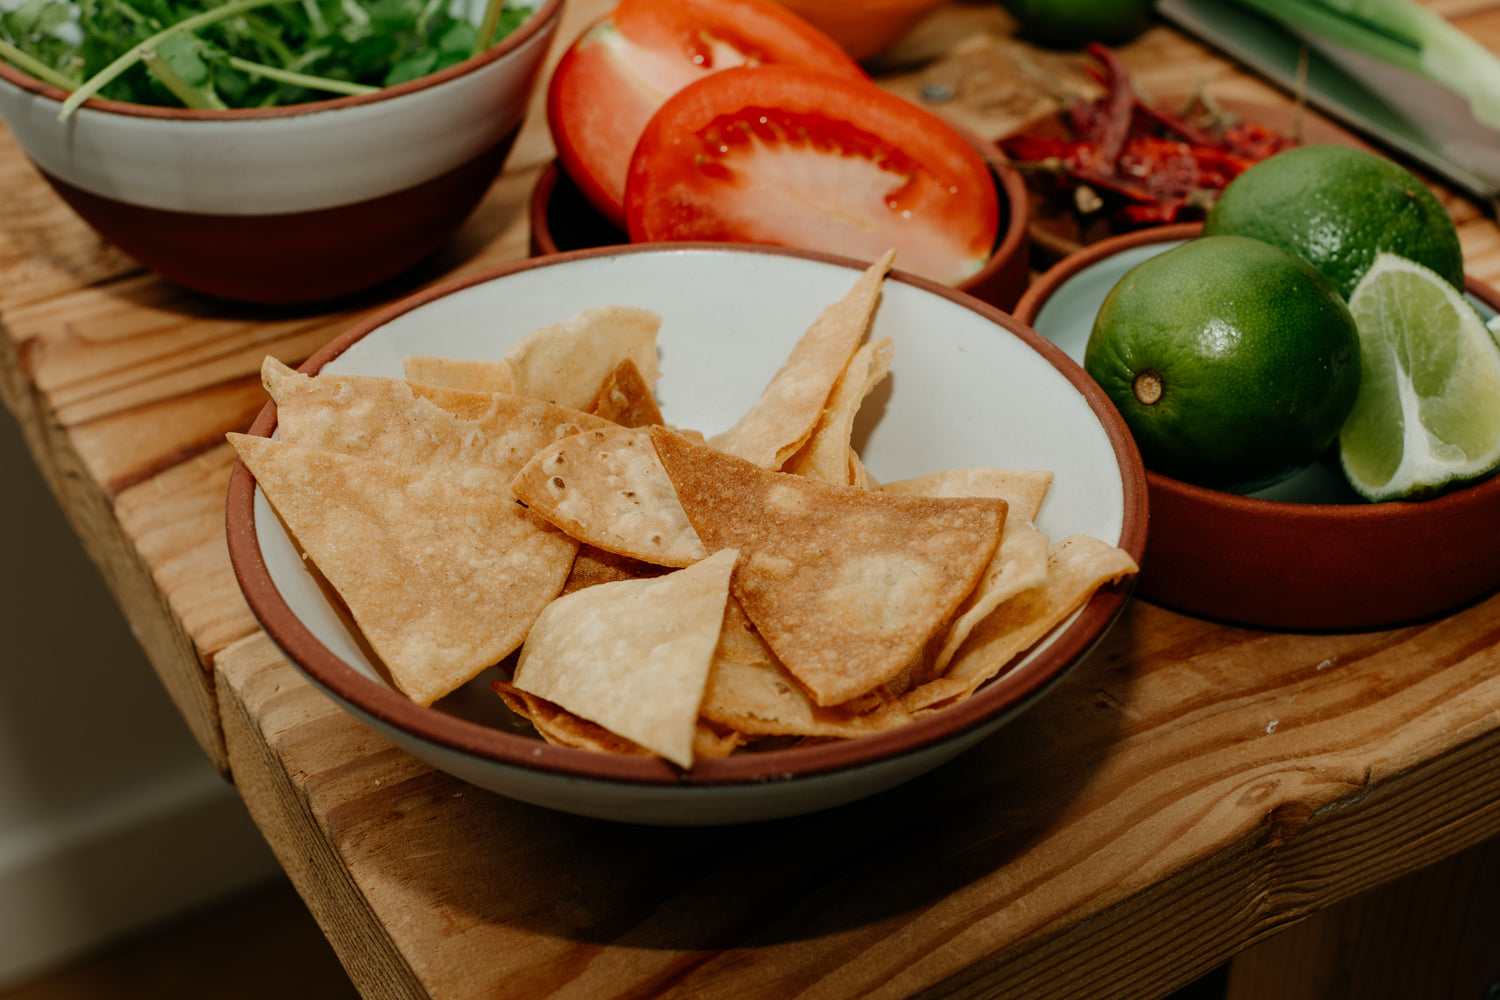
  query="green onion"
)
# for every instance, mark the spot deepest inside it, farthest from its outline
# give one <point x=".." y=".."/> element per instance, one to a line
<point x="1402" y="34"/>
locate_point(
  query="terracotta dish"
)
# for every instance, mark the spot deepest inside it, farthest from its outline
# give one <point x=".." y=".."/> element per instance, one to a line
<point x="1307" y="553"/>
<point x="961" y="371"/>
<point x="290" y="204"/>
<point x="562" y="219"/>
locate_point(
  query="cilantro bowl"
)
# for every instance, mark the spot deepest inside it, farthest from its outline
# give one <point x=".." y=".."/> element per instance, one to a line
<point x="288" y="203"/>
<point x="969" y="388"/>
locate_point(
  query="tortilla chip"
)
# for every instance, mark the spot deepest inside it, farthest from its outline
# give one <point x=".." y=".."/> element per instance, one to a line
<point x="626" y="399"/>
<point x="845" y="585"/>
<point x="442" y="580"/>
<point x="390" y="420"/>
<point x="750" y="692"/>
<point x="459" y="373"/>
<point x="788" y="410"/>
<point x="827" y="455"/>
<point x="1022" y="489"/>
<point x="593" y="566"/>
<point x="566" y="363"/>
<point x="563" y="728"/>
<point x="607" y="488"/>
<point x="1076" y="567"/>
<point x="633" y="656"/>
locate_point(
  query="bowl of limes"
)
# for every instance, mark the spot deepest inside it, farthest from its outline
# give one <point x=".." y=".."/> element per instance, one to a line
<point x="1320" y="435"/>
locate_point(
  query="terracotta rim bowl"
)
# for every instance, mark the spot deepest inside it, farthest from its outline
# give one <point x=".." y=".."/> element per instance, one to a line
<point x="289" y="204"/>
<point x="1279" y="564"/>
<point x="562" y="219"/>
<point x="1097" y="452"/>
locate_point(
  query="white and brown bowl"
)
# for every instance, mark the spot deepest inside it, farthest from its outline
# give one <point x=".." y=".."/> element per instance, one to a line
<point x="969" y="386"/>
<point x="289" y="204"/>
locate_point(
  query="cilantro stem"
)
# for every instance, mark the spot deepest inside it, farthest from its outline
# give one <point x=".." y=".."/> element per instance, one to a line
<point x="34" y="66"/>
<point x="101" y="79"/>
<point x="185" y="92"/>
<point x="486" y="36"/>
<point x="296" y="79"/>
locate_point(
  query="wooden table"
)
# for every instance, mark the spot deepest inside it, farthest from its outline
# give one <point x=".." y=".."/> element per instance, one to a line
<point x="1191" y="789"/>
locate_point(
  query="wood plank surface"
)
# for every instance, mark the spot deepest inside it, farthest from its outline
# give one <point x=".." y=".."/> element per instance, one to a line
<point x="1189" y="790"/>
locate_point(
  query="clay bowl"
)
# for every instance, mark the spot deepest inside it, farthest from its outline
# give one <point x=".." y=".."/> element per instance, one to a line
<point x="863" y="28"/>
<point x="291" y="204"/>
<point x="961" y="369"/>
<point x="562" y="219"/>
<point x="1306" y="554"/>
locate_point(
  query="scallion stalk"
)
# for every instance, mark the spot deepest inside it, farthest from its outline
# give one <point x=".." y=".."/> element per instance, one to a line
<point x="1403" y="34"/>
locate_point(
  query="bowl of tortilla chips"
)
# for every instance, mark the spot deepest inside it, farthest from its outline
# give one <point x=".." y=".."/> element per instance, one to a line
<point x="694" y="534"/>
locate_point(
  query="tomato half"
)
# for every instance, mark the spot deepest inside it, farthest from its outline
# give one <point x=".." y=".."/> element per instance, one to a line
<point x="793" y="157"/>
<point x="618" y="72"/>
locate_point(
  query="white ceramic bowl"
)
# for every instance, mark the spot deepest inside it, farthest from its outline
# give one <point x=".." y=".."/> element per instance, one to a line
<point x="968" y="386"/>
<point x="290" y="204"/>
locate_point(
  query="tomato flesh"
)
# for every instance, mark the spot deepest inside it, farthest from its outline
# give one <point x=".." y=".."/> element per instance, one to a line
<point x="618" y="72"/>
<point x="793" y="157"/>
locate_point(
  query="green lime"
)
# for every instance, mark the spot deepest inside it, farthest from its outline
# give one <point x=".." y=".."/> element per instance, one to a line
<point x="1337" y="207"/>
<point x="1233" y="363"/>
<point x="1072" y="24"/>
<point x="1428" y="412"/>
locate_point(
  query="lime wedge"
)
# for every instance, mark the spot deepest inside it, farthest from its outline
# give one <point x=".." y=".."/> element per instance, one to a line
<point x="1427" y="417"/>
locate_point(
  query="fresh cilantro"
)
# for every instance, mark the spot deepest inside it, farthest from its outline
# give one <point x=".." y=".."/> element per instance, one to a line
<point x="242" y="53"/>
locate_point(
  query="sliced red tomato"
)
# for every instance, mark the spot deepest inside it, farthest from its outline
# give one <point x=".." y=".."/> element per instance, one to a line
<point x="618" y="72"/>
<point x="794" y="157"/>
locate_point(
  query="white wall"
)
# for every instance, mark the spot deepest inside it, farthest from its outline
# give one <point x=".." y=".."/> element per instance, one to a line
<point x="111" y="818"/>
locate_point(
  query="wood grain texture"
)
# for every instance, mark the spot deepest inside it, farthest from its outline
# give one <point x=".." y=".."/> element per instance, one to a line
<point x="1190" y="790"/>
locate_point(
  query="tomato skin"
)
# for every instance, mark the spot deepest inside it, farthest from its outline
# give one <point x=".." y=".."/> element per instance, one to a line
<point x="622" y="68"/>
<point x="793" y="157"/>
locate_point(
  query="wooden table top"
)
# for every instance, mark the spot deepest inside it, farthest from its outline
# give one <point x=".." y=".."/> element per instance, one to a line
<point x="1188" y="790"/>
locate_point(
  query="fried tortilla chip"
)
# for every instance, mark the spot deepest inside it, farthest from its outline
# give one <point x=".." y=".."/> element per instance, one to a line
<point x="633" y="656"/>
<point x="593" y="566"/>
<point x="607" y="488"/>
<point x="389" y="420"/>
<point x="750" y="692"/>
<point x="1076" y="567"/>
<point x="788" y="410"/>
<point x="1022" y="489"/>
<point x="827" y="455"/>
<point x="566" y="363"/>
<point x="462" y="374"/>
<point x="626" y="399"/>
<point x="442" y="580"/>
<point x="559" y="726"/>
<point x="845" y="585"/>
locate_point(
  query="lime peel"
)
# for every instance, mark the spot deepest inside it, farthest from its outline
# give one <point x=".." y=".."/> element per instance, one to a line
<point x="1427" y="417"/>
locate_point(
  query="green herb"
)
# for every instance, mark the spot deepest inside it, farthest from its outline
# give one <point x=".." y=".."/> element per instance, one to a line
<point x="243" y="53"/>
<point x="1403" y="34"/>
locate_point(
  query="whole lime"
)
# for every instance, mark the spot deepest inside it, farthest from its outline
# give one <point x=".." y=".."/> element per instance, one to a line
<point x="1233" y="363"/>
<point x="1337" y="208"/>
<point x="1072" y="24"/>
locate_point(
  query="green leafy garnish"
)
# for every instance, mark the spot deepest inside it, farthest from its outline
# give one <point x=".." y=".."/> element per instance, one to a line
<point x="242" y="53"/>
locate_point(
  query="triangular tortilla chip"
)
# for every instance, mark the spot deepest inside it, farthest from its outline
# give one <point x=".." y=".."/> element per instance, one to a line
<point x="845" y="585"/>
<point x="607" y="488"/>
<point x="459" y="373"/>
<point x="442" y="580"/>
<point x="593" y="566"/>
<point x="750" y="692"/>
<point x="784" y="417"/>
<point x="1076" y="567"/>
<point x="633" y="656"/>
<point x="559" y="726"/>
<point x="566" y="363"/>
<point x="1022" y="489"/>
<point x="827" y="455"/>
<point x="626" y="399"/>
<point x="390" y="420"/>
